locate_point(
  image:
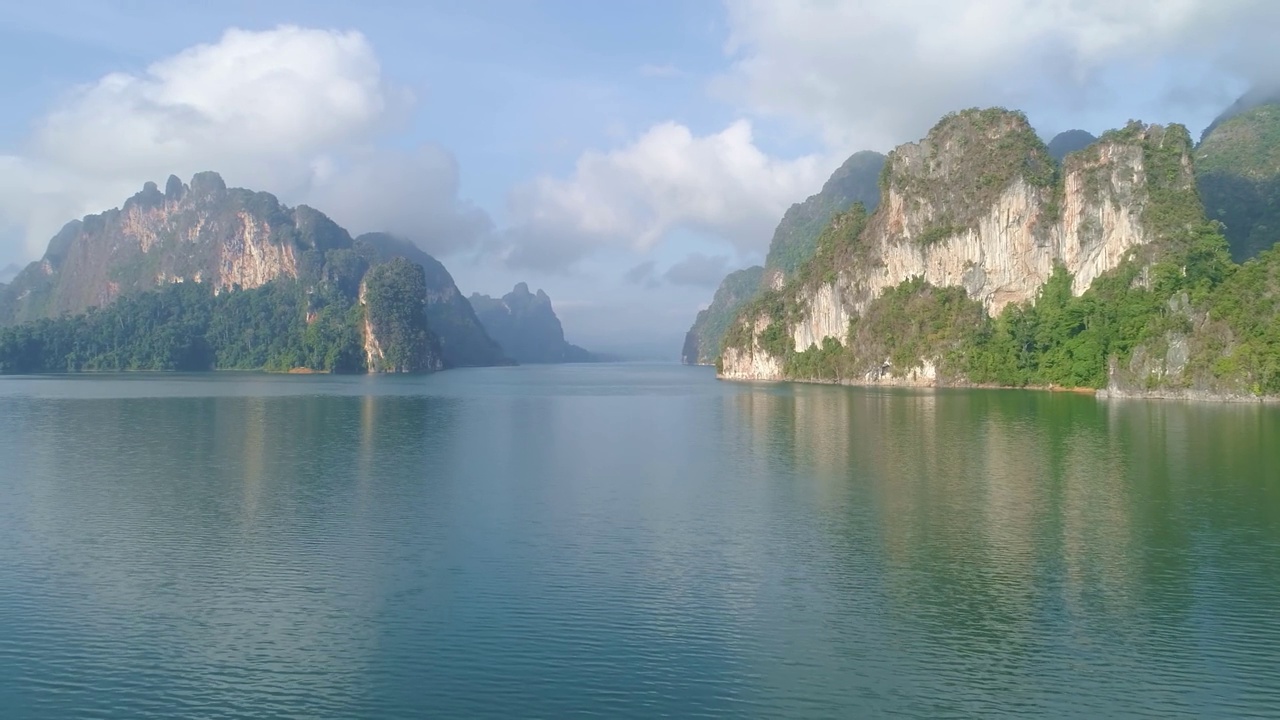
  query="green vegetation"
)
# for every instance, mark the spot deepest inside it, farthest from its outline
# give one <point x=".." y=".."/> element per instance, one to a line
<point x="907" y="324"/>
<point x="1060" y="339"/>
<point x="1176" y="314"/>
<point x="464" y="340"/>
<point x="702" y="343"/>
<point x="394" y="295"/>
<point x="796" y="237"/>
<point x="965" y="163"/>
<point x="837" y="248"/>
<point x="185" y="326"/>
<point x="1238" y="173"/>
<point x="283" y="325"/>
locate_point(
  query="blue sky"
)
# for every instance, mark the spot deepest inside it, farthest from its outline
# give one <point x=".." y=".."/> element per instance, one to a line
<point x="568" y="143"/>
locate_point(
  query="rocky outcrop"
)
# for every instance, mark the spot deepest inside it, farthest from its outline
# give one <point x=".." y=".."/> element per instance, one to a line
<point x="203" y="232"/>
<point x="397" y="338"/>
<point x="228" y="238"/>
<point x="981" y="205"/>
<point x="464" y="342"/>
<point x="526" y="326"/>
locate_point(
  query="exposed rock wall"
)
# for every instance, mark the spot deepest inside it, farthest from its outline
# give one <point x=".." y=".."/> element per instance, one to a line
<point x="997" y="237"/>
<point x="202" y="232"/>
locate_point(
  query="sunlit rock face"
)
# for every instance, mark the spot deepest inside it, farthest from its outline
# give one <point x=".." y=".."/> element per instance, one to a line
<point x="980" y="204"/>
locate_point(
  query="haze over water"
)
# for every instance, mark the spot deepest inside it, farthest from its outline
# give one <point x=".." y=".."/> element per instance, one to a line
<point x="629" y="541"/>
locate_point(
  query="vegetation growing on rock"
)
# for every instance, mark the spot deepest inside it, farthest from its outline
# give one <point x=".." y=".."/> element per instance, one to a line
<point x="281" y="286"/>
<point x="1175" y="314"/>
<point x="702" y="342"/>
<point x="1238" y="173"/>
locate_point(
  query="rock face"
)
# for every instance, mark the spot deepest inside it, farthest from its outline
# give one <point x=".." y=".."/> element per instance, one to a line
<point x="702" y="342"/>
<point x="228" y="238"/>
<point x="204" y="232"/>
<point x="1238" y="173"/>
<point x="526" y="326"/>
<point x="980" y="204"/>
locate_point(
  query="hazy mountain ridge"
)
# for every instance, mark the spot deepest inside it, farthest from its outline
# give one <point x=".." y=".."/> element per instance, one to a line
<point x="702" y="342"/>
<point x="526" y="326"/>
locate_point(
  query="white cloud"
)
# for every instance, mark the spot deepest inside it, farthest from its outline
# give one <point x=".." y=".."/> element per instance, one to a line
<point x="278" y="110"/>
<point x="870" y="73"/>
<point x="668" y="179"/>
<point x="408" y="193"/>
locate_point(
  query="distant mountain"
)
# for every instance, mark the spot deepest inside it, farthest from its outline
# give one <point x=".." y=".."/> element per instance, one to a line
<point x="1070" y="141"/>
<point x="526" y="327"/>
<point x="702" y="343"/>
<point x="278" y="287"/>
<point x="9" y="272"/>
<point x="796" y="237"/>
<point x="1254" y="98"/>
<point x="1238" y="174"/>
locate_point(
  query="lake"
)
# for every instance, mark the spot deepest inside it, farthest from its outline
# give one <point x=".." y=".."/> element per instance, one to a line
<point x="629" y="541"/>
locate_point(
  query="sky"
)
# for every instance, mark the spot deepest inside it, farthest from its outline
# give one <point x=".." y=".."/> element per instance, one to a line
<point x="621" y="155"/>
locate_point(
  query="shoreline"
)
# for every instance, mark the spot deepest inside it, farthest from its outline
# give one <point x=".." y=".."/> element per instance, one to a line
<point x="1098" y="393"/>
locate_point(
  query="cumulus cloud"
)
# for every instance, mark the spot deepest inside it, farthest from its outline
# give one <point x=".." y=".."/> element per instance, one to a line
<point x="409" y="193"/>
<point x="269" y="110"/>
<point x="698" y="270"/>
<point x="869" y="73"/>
<point x="668" y="179"/>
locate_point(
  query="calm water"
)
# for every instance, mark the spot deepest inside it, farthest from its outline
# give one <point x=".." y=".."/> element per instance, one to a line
<point x="629" y="541"/>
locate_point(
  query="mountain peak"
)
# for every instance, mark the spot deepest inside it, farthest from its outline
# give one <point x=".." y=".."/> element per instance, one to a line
<point x="174" y="190"/>
<point x="1069" y="141"/>
<point x="526" y="326"/>
<point x="208" y="184"/>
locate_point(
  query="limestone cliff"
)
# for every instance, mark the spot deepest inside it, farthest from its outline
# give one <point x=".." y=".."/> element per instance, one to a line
<point x="204" y="232"/>
<point x="227" y="238"/>
<point x="981" y="205"/>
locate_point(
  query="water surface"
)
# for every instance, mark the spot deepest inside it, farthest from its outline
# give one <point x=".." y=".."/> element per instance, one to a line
<point x="629" y="541"/>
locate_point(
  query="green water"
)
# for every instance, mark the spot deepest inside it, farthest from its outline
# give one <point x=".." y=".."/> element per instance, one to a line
<point x="629" y="541"/>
